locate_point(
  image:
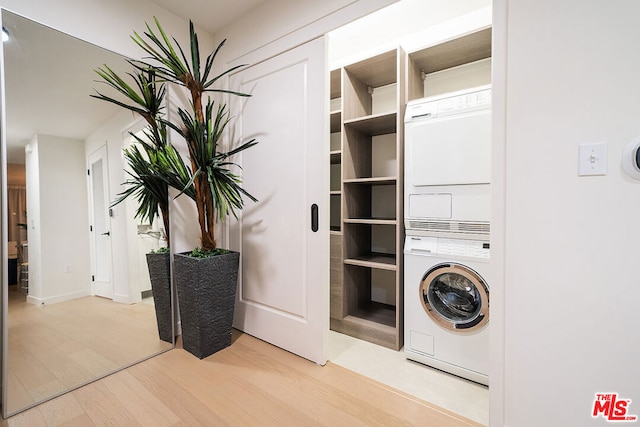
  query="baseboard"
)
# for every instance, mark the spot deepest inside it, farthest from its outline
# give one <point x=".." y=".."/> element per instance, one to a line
<point x="58" y="298"/>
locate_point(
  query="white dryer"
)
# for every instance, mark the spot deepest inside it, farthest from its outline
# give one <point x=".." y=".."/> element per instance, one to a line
<point x="448" y="163"/>
<point x="446" y="305"/>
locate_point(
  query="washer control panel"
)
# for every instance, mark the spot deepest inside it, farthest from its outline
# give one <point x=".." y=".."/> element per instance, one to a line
<point x="442" y="246"/>
<point x="466" y="248"/>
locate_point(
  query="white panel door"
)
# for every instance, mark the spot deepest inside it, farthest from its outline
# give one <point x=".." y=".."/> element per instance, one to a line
<point x="100" y="223"/>
<point x="283" y="293"/>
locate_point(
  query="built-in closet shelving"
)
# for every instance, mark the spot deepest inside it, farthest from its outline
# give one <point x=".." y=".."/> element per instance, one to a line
<point x="460" y="51"/>
<point x="368" y="100"/>
<point x="372" y="100"/>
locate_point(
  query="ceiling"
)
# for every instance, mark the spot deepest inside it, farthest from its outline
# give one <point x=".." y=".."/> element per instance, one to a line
<point x="210" y="15"/>
<point x="49" y="75"/>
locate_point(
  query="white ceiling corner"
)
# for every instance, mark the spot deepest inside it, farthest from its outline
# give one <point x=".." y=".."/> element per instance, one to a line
<point x="210" y="15"/>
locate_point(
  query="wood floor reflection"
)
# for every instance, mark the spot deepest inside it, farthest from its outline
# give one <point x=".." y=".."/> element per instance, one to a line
<point x="56" y="347"/>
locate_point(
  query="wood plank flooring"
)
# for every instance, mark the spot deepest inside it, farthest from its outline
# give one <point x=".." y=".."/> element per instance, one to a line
<point x="56" y="347"/>
<point x="251" y="383"/>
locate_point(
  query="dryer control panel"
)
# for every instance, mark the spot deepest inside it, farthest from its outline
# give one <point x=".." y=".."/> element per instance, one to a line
<point x="451" y="103"/>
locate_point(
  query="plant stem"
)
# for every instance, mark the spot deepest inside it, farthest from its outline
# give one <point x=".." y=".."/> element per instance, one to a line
<point x="165" y="220"/>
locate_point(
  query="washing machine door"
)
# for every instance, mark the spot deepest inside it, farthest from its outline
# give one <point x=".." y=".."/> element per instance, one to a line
<point x="455" y="297"/>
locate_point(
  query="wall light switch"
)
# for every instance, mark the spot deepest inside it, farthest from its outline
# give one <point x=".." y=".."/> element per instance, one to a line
<point x="592" y="159"/>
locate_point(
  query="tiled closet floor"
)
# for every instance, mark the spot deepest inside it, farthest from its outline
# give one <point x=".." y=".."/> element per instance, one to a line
<point x="390" y="367"/>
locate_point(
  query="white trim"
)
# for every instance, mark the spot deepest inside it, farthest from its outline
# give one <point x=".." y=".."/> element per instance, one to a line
<point x="498" y="216"/>
<point x="3" y="232"/>
<point x="58" y="298"/>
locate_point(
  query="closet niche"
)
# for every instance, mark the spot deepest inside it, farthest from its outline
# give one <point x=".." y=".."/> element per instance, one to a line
<point x="58" y="333"/>
<point x="368" y="100"/>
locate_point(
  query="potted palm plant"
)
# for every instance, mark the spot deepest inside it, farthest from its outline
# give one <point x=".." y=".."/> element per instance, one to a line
<point x="205" y="278"/>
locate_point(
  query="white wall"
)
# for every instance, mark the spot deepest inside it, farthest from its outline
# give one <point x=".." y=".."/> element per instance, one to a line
<point x="570" y="311"/>
<point x="58" y="220"/>
<point x="287" y="23"/>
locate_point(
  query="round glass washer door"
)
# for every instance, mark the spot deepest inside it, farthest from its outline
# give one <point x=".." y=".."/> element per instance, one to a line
<point x="455" y="297"/>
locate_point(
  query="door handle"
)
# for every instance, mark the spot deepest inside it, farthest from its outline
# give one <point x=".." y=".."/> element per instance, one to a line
<point x="108" y="233"/>
<point x="314" y="217"/>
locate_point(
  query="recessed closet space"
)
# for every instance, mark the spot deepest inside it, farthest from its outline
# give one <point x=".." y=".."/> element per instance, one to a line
<point x="369" y="89"/>
<point x="408" y="51"/>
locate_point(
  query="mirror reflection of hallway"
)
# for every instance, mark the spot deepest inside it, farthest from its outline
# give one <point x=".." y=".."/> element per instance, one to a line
<point x="61" y="332"/>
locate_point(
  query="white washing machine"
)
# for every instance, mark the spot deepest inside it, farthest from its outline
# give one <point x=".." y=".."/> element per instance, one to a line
<point x="446" y="304"/>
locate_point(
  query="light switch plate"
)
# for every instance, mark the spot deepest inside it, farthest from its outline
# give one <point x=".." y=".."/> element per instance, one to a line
<point x="592" y="159"/>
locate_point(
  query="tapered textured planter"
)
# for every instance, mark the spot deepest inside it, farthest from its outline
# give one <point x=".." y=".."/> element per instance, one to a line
<point x="159" y="265"/>
<point x="206" y="297"/>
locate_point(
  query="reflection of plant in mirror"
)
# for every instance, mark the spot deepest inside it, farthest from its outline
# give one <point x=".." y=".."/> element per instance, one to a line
<point x="148" y="159"/>
<point x="209" y="181"/>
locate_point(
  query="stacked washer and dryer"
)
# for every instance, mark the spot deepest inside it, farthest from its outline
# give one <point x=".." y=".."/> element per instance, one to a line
<point x="446" y="252"/>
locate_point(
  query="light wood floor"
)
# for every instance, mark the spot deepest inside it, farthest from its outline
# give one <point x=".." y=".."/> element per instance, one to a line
<point x="250" y="383"/>
<point x="56" y="347"/>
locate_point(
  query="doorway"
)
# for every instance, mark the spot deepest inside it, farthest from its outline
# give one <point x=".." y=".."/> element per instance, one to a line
<point x="100" y="227"/>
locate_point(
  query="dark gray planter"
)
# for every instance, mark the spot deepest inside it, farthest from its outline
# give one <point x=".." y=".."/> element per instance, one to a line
<point x="206" y="298"/>
<point x="160" y="274"/>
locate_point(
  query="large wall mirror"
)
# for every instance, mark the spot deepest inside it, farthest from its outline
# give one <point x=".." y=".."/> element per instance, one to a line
<point x="77" y="300"/>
